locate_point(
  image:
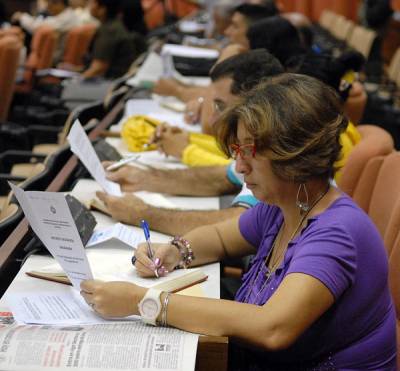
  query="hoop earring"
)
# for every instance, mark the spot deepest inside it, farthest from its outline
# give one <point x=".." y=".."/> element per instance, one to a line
<point x="304" y="206"/>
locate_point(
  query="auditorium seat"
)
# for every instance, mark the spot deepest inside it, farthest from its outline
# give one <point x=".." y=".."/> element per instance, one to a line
<point x="374" y="142"/>
<point x="77" y="43"/>
<point x="327" y="19"/>
<point x="361" y="39"/>
<point x="385" y="196"/>
<point x="153" y="13"/>
<point x="365" y="186"/>
<point x="10" y="216"/>
<point x="394" y="67"/>
<point x="86" y="114"/>
<point x="343" y="28"/>
<point x="10" y="48"/>
<point x="40" y="57"/>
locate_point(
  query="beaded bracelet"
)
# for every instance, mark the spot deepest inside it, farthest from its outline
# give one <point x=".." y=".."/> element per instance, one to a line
<point x="185" y="250"/>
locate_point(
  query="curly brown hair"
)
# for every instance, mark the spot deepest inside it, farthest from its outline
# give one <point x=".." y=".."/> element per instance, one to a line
<point x="297" y="118"/>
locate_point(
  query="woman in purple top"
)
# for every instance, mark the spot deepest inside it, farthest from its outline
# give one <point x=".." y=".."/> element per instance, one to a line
<point x="316" y="295"/>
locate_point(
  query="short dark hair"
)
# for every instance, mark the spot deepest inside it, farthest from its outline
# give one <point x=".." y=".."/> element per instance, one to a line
<point x="113" y="7"/>
<point x="254" y="13"/>
<point x="247" y="69"/>
<point x="133" y="16"/>
<point x="278" y="36"/>
<point x="328" y="69"/>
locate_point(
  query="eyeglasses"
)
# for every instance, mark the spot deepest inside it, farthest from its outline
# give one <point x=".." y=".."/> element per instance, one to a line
<point x="245" y="151"/>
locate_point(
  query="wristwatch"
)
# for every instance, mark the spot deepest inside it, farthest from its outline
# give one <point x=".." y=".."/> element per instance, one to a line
<point x="150" y="306"/>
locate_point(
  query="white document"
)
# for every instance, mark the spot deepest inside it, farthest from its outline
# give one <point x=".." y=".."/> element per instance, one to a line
<point x="150" y="71"/>
<point x="51" y="308"/>
<point x="82" y="147"/>
<point x="119" y="231"/>
<point x="113" y="347"/>
<point x="189" y="51"/>
<point x="50" y="218"/>
<point x="189" y="26"/>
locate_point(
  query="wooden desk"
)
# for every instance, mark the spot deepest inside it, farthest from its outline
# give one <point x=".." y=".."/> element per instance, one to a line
<point x="212" y="352"/>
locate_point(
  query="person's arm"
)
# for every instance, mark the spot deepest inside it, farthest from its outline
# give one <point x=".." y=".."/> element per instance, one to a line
<point x="97" y="68"/>
<point x="131" y="210"/>
<point x="197" y="181"/>
<point x="297" y="303"/>
<point x="29" y="23"/>
<point x="185" y="93"/>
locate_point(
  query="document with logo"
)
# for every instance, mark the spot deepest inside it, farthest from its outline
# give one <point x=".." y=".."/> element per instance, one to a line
<point x="82" y="147"/>
<point x="50" y="218"/>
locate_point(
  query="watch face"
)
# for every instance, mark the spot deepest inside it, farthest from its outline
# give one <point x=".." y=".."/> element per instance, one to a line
<point x="150" y="307"/>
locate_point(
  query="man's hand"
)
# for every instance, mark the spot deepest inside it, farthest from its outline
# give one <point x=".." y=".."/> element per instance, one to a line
<point x="134" y="179"/>
<point x="193" y="111"/>
<point x="127" y="209"/>
<point x="171" y="140"/>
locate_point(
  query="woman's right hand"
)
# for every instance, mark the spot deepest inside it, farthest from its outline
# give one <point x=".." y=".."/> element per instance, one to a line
<point x="166" y="259"/>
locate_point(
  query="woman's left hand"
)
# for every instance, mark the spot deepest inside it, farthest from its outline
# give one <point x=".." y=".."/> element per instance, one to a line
<point x="112" y="299"/>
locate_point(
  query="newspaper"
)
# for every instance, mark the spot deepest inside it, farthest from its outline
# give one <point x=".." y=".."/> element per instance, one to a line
<point x="118" y="346"/>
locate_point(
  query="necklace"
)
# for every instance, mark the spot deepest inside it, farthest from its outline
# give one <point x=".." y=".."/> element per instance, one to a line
<point x="276" y="264"/>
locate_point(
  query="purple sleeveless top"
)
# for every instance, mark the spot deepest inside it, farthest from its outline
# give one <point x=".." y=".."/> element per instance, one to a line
<point x="341" y="248"/>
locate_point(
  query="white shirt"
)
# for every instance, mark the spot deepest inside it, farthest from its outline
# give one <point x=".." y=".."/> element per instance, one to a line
<point x="62" y="22"/>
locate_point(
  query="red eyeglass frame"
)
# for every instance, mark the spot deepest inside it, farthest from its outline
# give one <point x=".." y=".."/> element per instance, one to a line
<point x="236" y="150"/>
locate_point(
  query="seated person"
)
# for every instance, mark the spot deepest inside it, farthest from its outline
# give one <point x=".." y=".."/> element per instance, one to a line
<point x="82" y="11"/>
<point x="243" y="16"/>
<point x="316" y="296"/>
<point x="232" y="77"/>
<point x="304" y="28"/>
<point x="202" y="149"/>
<point x="278" y="36"/>
<point x="114" y="48"/>
<point x="61" y="17"/>
<point x="133" y="16"/>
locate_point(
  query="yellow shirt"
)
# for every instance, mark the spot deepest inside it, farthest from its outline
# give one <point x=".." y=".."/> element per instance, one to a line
<point x="348" y="140"/>
<point x="203" y="150"/>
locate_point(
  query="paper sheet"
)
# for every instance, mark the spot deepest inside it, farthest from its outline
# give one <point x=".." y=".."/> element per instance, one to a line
<point x="189" y="51"/>
<point x="150" y="71"/>
<point x="51" y="308"/>
<point x="120" y="232"/>
<point x="50" y="218"/>
<point x="82" y="147"/>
